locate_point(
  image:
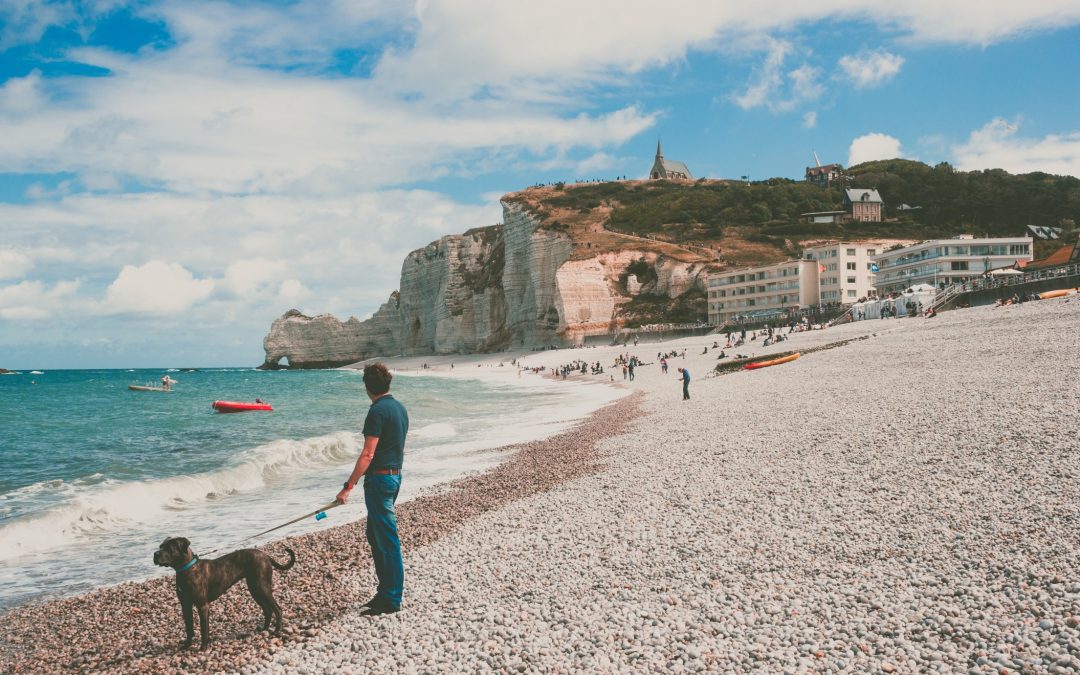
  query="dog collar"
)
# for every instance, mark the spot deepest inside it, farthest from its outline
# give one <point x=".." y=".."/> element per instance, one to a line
<point x="188" y="565"/>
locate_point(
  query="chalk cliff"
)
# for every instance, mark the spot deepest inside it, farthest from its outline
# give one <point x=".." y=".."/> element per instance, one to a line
<point x="524" y="283"/>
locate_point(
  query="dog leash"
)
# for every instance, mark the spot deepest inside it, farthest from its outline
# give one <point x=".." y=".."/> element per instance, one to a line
<point x="316" y="513"/>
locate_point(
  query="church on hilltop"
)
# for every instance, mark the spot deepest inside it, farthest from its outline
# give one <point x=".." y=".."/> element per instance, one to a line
<point x="668" y="169"/>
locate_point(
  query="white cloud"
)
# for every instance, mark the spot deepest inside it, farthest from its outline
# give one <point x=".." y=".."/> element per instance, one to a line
<point x="810" y="119"/>
<point x="870" y="69"/>
<point x="251" y="277"/>
<point x="997" y="145"/>
<point x="292" y="292"/>
<point x="351" y="247"/>
<point x="14" y="264"/>
<point x="20" y="96"/>
<point x="871" y="147"/>
<point x="462" y="47"/>
<point x="155" y="288"/>
<point x="99" y="182"/>
<point x="26" y="20"/>
<point x="777" y="89"/>
<point x="36" y="301"/>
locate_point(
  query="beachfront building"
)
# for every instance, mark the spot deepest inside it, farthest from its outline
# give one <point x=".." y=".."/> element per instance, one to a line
<point x="763" y="290"/>
<point x="824" y="216"/>
<point x="846" y="268"/>
<point x="865" y="205"/>
<point x="947" y="261"/>
<point x="824" y="175"/>
<point x="668" y="169"/>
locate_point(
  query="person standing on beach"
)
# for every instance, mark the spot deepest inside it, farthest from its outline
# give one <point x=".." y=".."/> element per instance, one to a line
<point x="685" y="383"/>
<point x="379" y="463"/>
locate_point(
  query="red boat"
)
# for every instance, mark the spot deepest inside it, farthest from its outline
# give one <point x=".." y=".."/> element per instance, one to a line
<point x="239" y="406"/>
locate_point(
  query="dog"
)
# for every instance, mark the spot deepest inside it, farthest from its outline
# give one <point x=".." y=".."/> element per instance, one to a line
<point x="200" y="582"/>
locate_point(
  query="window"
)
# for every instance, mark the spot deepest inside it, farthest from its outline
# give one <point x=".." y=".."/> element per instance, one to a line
<point x="851" y="293"/>
<point x="851" y="251"/>
<point x="871" y="251"/>
<point x="959" y="266"/>
<point x="851" y="280"/>
<point x="851" y="266"/>
<point x="1018" y="249"/>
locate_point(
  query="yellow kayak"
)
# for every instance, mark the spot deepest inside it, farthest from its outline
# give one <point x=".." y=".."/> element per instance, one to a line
<point x="774" y="362"/>
<point x="1054" y="294"/>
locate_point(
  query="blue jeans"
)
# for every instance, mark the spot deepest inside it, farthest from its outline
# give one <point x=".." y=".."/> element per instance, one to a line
<point x="685" y="389"/>
<point x="380" y="493"/>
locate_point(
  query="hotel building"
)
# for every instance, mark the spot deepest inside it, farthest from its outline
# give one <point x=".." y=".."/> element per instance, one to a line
<point x="845" y="268"/>
<point x="754" y="291"/>
<point x="942" y="262"/>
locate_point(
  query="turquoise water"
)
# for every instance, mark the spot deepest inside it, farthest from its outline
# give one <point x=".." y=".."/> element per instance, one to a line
<point x="93" y="476"/>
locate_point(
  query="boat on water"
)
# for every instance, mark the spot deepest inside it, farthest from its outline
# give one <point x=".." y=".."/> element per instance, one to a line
<point x="240" y="406"/>
<point x="146" y="387"/>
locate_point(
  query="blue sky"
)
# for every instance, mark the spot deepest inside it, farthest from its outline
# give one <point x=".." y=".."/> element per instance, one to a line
<point x="174" y="176"/>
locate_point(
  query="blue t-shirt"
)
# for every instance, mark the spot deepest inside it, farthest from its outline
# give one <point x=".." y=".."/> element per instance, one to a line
<point x="685" y="375"/>
<point x="388" y="420"/>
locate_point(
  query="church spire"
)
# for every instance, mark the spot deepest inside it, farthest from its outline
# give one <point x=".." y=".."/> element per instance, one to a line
<point x="659" y="150"/>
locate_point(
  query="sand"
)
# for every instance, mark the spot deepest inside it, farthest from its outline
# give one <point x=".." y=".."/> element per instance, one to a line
<point x="908" y="502"/>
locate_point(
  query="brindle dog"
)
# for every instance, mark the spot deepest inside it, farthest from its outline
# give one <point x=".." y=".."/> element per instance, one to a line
<point x="201" y="582"/>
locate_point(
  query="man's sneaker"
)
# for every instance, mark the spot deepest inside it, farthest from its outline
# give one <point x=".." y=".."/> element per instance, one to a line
<point x="380" y="607"/>
<point x="372" y="602"/>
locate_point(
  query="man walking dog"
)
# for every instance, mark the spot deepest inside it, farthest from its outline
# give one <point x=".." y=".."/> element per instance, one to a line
<point x="379" y="464"/>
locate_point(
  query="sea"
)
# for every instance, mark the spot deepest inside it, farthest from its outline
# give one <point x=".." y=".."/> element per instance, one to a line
<point x="93" y="476"/>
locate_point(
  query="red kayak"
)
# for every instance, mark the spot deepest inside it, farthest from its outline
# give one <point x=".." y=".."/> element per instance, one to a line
<point x="239" y="406"/>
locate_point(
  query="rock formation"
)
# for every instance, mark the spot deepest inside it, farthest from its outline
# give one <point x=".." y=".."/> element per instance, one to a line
<point x="517" y="285"/>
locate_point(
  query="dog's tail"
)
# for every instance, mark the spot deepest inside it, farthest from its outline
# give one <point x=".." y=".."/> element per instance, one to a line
<point x="288" y="565"/>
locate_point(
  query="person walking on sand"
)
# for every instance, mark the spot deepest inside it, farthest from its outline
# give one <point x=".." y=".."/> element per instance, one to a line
<point x="379" y="463"/>
<point x="685" y="383"/>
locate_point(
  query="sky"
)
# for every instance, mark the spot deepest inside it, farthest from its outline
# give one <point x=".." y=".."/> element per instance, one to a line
<point x="176" y="175"/>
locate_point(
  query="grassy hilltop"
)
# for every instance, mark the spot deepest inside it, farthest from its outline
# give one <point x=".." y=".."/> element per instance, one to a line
<point x="759" y="222"/>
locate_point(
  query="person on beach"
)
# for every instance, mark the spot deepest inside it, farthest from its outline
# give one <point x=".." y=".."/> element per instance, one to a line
<point x="685" y="383"/>
<point x="379" y="463"/>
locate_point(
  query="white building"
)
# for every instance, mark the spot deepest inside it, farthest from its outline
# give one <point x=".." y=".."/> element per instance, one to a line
<point x="946" y="261"/>
<point x="763" y="290"/>
<point x="845" y="268"/>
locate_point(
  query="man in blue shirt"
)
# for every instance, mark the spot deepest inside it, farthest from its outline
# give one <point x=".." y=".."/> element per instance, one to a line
<point x="685" y="383"/>
<point x="379" y="463"/>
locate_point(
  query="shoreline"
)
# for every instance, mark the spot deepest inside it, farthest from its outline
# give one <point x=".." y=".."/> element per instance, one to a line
<point x="818" y="515"/>
<point x="137" y="626"/>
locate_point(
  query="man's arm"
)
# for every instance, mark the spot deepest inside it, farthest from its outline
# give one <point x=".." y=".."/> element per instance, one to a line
<point x="362" y="464"/>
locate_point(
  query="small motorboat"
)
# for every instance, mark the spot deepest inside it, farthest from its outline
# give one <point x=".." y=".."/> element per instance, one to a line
<point x="240" y="406"/>
<point x="146" y="387"/>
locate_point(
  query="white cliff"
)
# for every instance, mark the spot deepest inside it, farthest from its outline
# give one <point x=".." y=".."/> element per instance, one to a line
<point x="506" y="287"/>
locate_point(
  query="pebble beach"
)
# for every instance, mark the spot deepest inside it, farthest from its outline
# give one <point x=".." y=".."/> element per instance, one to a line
<point x="907" y="502"/>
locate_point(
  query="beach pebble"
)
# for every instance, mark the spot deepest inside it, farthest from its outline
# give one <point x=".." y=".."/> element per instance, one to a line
<point x="895" y="504"/>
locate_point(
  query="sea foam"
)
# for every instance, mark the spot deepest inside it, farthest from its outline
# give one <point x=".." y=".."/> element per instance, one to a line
<point x="115" y="505"/>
